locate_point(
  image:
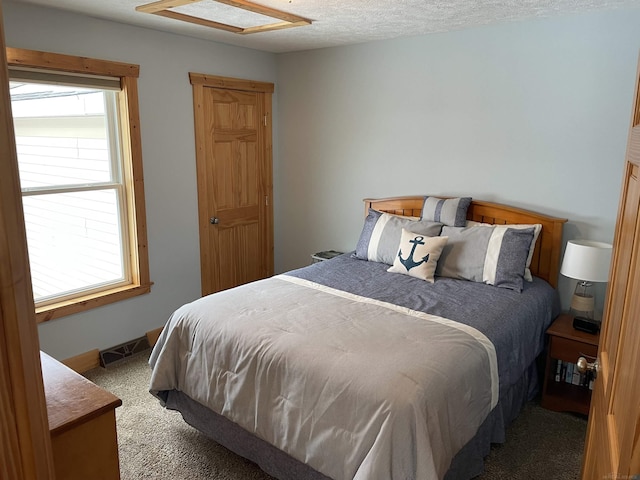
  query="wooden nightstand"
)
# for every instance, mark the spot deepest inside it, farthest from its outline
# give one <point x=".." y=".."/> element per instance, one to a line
<point x="562" y="391"/>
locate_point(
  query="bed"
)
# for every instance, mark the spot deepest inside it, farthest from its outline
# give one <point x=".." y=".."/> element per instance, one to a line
<point x="344" y="370"/>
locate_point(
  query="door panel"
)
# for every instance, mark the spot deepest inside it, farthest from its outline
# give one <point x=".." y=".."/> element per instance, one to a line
<point x="236" y="177"/>
<point x="239" y="266"/>
<point x="612" y="448"/>
<point x="233" y="109"/>
<point x="629" y="218"/>
<point x="234" y="182"/>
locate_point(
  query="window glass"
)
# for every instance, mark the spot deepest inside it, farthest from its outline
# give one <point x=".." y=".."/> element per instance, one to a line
<point x="75" y="242"/>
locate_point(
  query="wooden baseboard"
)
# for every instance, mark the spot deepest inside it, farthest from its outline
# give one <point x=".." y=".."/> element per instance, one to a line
<point x="84" y="362"/>
<point x="152" y="336"/>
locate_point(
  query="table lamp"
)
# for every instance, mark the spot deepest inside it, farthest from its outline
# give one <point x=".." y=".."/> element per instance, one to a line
<point x="586" y="262"/>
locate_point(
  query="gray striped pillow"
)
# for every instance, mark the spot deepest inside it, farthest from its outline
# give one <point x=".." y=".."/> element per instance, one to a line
<point x="449" y="211"/>
<point x="537" y="228"/>
<point x="486" y="254"/>
<point x="381" y="233"/>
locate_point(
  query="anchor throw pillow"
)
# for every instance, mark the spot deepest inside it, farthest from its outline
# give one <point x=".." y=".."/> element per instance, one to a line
<point x="418" y="255"/>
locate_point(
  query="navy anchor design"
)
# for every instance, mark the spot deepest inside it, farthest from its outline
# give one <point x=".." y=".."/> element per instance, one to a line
<point x="409" y="263"/>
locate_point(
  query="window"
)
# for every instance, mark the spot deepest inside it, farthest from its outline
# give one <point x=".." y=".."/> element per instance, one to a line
<point x="78" y="146"/>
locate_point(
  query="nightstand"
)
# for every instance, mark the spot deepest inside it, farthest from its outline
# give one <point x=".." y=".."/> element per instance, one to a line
<point x="564" y="389"/>
<point x="326" y="255"/>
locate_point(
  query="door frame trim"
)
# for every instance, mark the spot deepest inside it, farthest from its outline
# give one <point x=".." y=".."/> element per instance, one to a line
<point x="25" y="444"/>
<point x="619" y="459"/>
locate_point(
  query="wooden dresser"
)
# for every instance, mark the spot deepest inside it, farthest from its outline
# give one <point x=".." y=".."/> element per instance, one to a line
<point x="82" y="424"/>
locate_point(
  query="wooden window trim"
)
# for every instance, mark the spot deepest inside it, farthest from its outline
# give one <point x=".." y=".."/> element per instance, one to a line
<point x="133" y="175"/>
<point x="86" y="302"/>
<point x="68" y="63"/>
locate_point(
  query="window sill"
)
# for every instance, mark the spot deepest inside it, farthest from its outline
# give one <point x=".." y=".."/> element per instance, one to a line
<point x="87" y="302"/>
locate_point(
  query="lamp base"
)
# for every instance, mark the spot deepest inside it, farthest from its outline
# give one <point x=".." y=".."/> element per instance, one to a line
<point x="586" y="325"/>
<point x="583" y="301"/>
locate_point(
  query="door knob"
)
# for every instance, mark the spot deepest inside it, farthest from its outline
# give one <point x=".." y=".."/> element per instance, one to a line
<point x="214" y="220"/>
<point x="584" y="366"/>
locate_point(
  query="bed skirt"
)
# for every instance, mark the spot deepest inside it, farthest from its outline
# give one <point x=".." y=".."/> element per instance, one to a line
<point x="468" y="463"/>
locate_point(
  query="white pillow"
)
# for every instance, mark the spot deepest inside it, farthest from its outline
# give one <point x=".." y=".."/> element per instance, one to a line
<point x="418" y="255"/>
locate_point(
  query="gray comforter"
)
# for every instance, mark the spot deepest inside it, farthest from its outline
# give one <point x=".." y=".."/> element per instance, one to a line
<point x="356" y="372"/>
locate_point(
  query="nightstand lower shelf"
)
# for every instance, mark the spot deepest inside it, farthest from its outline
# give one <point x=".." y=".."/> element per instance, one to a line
<point x="565" y="397"/>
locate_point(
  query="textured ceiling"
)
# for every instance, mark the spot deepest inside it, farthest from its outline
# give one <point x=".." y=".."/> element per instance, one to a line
<point x="341" y="22"/>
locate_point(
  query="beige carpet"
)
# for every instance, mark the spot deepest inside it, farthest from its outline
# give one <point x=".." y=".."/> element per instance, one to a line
<point x="157" y="443"/>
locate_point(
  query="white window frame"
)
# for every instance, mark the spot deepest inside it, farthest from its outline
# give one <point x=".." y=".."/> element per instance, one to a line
<point x="132" y="205"/>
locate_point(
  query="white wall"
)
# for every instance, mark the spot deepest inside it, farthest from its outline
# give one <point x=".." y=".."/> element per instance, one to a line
<point x="166" y="117"/>
<point x="533" y="114"/>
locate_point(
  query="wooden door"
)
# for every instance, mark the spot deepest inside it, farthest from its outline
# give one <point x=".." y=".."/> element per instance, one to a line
<point x="25" y="445"/>
<point x="612" y="449"/>
<point x="234" y="168"/>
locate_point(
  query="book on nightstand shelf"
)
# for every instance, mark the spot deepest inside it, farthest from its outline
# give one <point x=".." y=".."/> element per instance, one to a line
<point x="567" y="372"/>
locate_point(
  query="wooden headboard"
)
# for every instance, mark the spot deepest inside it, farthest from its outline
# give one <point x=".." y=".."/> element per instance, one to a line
<point x="546" y="258"/>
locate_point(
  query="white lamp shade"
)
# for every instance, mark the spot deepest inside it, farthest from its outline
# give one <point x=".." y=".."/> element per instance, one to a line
<point x="587" y="261"/>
